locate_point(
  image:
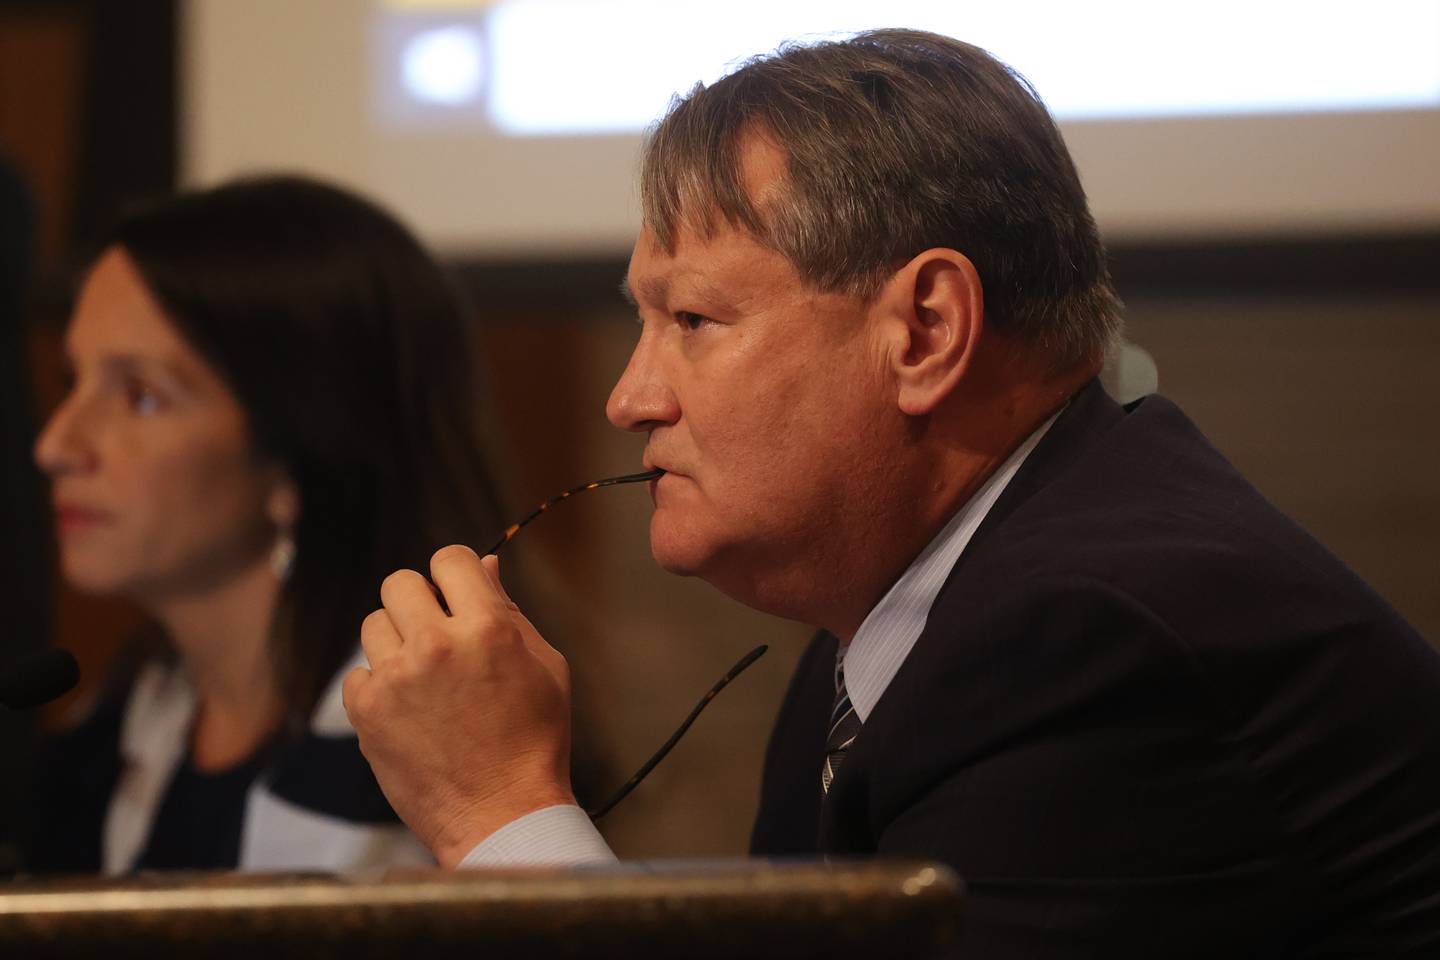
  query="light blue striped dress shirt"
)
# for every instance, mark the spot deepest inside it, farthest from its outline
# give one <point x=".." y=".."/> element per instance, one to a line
<point x="564" y="836"/>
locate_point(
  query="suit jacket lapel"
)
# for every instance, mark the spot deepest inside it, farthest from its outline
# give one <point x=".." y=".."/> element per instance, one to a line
<point x="789" y="814"/>
<point x="844" y="816"/>
<point x="1089" y="412"/>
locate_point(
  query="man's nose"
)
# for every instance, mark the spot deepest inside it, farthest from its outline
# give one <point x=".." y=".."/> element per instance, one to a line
<point x="63" y="446"/>
<point x="642" y="399"/>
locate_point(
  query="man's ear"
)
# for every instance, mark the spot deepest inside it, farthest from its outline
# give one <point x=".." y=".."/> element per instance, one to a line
<point x="937" y="314"/>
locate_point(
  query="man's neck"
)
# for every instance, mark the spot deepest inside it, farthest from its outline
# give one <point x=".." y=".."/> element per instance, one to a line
<point x="964" y="454"/>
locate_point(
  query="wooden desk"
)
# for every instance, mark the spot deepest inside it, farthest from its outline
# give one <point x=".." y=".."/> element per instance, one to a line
<point x="743" y="909"/>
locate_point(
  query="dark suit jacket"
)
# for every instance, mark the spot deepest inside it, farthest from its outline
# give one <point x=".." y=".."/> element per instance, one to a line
<point x="1148" y="717"/>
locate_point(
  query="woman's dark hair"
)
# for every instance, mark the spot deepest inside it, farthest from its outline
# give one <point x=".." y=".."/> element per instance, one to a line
<point x="348" y="350"/>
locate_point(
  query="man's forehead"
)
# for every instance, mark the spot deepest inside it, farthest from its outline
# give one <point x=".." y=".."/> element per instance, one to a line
<point x="710" y="266"/>
<point x="764" y="171"/>
<point x="641" y="281"/>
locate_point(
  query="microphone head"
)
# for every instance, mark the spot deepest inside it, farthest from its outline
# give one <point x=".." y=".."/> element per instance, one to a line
<point x="38" y="678"/>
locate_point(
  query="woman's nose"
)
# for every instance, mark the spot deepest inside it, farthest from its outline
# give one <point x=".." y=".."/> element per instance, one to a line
<point x="63" y="447"/>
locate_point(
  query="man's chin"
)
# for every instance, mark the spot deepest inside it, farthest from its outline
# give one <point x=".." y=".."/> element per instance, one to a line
<point x="729" y="576"/>
<point x="676" y="553"/>
<point x="674" y="562"/>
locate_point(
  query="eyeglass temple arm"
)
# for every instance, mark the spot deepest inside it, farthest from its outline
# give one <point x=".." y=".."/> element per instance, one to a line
<point x="597" y="812"/>
<point x="516" y="527"/>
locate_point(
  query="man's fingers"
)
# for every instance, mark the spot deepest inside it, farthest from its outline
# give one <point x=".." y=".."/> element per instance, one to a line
<point x="378" y="637"/>
<point x="468" y="588"/>
<point x="350" y="690"/>
<point x="492" y="570"/>
<point x="552" y="659"/>
<point x="410" y="600"/>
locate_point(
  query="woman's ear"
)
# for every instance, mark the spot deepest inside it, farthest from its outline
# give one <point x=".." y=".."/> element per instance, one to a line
<point x="282" y="505"/>
<point x="937" y="314"/>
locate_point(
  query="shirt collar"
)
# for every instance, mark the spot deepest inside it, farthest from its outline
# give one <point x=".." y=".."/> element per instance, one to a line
<point x="889" y="632"/>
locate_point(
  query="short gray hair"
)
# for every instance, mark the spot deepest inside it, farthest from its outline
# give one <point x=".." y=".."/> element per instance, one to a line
<point x="896" y="141"/>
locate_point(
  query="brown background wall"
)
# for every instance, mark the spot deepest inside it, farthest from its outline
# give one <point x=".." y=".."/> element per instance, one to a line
<point x="87" y="119"/>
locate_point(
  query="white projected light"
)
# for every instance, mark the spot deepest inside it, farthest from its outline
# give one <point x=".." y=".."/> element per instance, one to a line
<point x="617" y="62"/>
<point x="443" y="66"/>
<point x="511" y="128"/>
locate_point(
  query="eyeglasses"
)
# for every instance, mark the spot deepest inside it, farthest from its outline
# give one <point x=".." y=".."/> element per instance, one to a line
<point x="595" y="813"/>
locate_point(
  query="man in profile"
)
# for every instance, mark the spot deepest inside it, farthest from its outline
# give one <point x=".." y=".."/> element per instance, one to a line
<point x="1065" y="647"/>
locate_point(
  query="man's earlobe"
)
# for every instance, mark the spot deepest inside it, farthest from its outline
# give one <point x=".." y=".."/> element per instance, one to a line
<point x="941" y="307"/>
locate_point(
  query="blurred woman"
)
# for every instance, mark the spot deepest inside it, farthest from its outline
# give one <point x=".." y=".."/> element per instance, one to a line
<point x="271" y="410"/>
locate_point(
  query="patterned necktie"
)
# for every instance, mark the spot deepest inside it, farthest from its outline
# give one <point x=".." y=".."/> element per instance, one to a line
<point x="844" y="725"/>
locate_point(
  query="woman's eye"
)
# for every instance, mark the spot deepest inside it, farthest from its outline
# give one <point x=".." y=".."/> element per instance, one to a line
<point x="141" y="398"/>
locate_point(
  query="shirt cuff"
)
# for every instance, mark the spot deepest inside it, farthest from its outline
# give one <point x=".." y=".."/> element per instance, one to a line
<point x="551" y="836"/>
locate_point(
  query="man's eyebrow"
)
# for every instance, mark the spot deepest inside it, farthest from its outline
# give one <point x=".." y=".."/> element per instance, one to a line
<point x="653" y="290"/>
<point x="710" y="293"/>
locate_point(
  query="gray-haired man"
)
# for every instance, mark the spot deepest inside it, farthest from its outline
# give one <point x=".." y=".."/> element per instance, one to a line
<point x="1065" y="647"/>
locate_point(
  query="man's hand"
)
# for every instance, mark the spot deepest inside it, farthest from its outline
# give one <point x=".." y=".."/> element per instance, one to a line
<point x="465" y="716"/>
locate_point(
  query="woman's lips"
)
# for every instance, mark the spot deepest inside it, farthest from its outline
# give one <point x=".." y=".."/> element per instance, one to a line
<point x="74" y="519"/>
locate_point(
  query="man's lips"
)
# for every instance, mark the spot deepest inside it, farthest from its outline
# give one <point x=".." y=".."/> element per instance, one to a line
<point x="657" y="463"/>
<point x="654" y="485"/>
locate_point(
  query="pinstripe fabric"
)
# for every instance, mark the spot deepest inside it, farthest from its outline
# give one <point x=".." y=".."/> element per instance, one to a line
<point x="553" y="836"/>
<point x="886" y="637"/>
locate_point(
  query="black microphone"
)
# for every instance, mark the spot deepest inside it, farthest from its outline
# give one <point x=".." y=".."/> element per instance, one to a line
<point x="38" y="678"/>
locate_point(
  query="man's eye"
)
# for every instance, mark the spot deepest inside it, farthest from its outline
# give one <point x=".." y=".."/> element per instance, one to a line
<point x="691" y="321"/>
